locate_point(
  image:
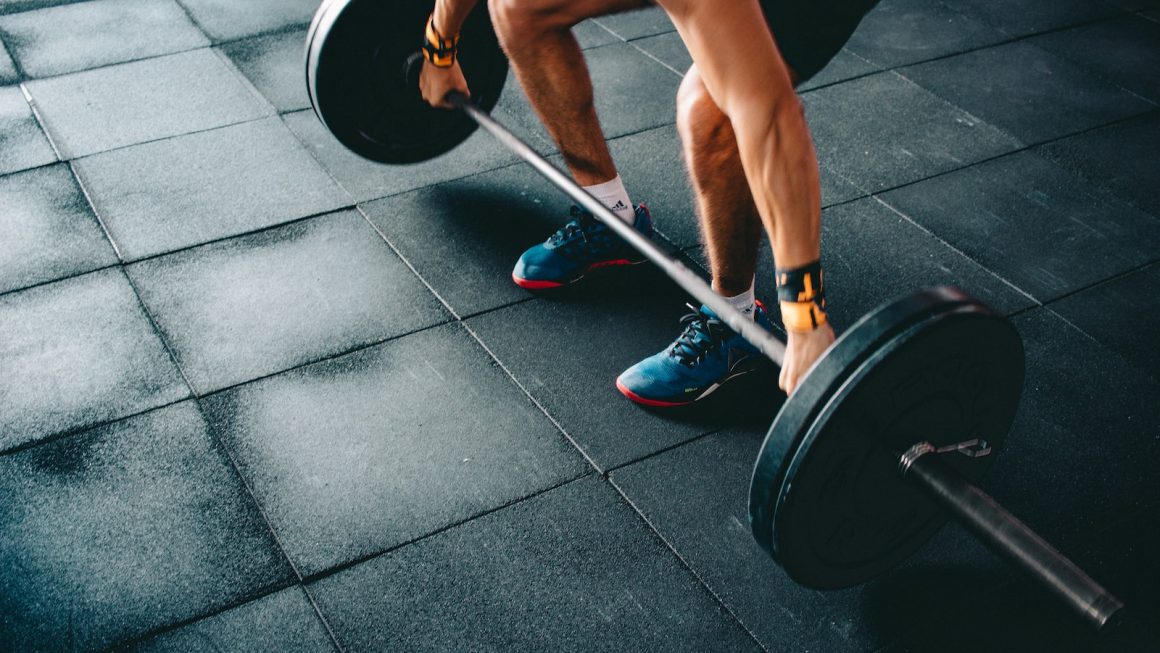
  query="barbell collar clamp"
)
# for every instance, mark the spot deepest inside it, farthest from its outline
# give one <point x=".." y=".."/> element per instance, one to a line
<point x="973" y="448"/>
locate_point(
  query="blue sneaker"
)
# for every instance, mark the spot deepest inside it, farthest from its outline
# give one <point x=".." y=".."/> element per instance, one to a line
<point x="706" y="355"/>
<point x="579" y="247"/>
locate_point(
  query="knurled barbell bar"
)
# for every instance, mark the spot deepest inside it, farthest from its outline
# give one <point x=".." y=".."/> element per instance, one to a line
<point x="883" y="438"/>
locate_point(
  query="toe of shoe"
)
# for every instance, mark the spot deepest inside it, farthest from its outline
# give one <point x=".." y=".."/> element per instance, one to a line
<point x="531" y="270"/>
<point x="643" y="387"/>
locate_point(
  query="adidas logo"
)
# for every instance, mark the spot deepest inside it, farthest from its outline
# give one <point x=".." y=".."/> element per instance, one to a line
<point x="619" y="206"/>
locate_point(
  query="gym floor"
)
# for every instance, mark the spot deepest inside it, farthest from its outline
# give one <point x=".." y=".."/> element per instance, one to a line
<point x="259" y="394"/>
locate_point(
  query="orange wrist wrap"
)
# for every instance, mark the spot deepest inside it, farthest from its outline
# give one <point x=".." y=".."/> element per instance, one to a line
<point x="802" y="297"/>
<point x="438" y="49"/>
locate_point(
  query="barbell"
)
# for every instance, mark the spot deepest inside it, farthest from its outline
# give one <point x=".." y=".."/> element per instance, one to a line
<point x="884" y="437"/>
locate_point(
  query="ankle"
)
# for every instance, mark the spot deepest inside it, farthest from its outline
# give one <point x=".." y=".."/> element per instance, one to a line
<point x="612" y="194"/>
<point x="743" y="300"/>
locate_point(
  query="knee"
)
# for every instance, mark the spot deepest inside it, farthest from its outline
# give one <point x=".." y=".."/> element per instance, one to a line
<point x="698" y="117"/>
<point x="517" y="21"/>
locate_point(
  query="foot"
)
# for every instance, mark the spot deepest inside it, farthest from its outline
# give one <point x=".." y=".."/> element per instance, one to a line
<point x="705" y="356"/>
<point x="579" y="247"/>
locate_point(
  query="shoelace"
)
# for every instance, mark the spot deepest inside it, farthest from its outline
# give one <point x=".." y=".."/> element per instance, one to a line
<point x="580" y="224"/>
<point x="689" y="348"/>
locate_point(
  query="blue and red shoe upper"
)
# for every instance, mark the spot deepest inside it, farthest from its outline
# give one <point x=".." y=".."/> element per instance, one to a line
<point x="705" y="356"/>
<point x="579" y="247"/>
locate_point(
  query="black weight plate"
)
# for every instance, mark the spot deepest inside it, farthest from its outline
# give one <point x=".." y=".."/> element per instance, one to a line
<point x="357" y="56"/>
<point x="826" y="499"/>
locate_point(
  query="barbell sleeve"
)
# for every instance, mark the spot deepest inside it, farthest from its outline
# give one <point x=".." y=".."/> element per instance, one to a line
<point x="1007" y="535"/>
<point x="765" y="341"/>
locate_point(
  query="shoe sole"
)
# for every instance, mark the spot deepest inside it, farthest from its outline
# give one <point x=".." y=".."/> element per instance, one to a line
<point x="660" y="403"/>
<point x="542" y="284"/>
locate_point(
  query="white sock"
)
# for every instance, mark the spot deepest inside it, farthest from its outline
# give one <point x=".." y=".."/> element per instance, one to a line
<point x="746" y="302"/>
<point x="612" y="194"/>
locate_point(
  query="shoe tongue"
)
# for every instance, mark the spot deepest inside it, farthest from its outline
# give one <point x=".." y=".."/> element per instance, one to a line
<point x="709" y="312"/>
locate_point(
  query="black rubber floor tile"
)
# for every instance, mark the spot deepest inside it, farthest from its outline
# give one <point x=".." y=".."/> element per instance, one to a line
<point x="1079" y="456"/>
<point x="1136" y="5"/>
<point x="900" y="32"/>
<point x="882" y="131"/>
<point x="633" y="93"/>
<point x="517" y="115"/>
<point x="1135" y="571"/>
<point x="1033" y="223"/>
<point x="1020" y="615"/>
<point x="845" y="65"/>
<point x="126" y="104"/>
<point x="697" y="496"/>
<point x="653" y="170"/>
<point x="1026" y="91"/>
<point x="14" y="6"/>
<point x="49" y="230"/>
<point x="567" y="350"/>
<point x="259" y="304"/>
<point x="283" y="621"/>
<point x="638" y="24"/>
<point x="1126" y="51"/>
<point x="274" y="65"/>
<point x="464" y="237"/>
<point x="162" y="196"/>
<point x="1023" y="17"/>
<point x="367" y="180"/>
<point x="77" y="353"/>
<point x="1120" y="157"/>
<point x="1133" y="299"/>
<point x="124" y="529"/>
<point x="591" y="35"/>
<point x="944" y="576"/>
<point x="8" y="74"/>
<point x="227" y="20"/>
<point x="836" y="189"/>
<point x="22" y="143"/>
<point x="669" y="49"/>
<point x="873" y="255"/>
<point x="76" y="37"/>
<point x="361" y="454"/>
<point x="570" y="570"/>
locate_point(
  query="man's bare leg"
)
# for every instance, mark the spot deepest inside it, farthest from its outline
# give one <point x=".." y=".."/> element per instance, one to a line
<point x="704" y="357"/>
<point x="537" y="36"/>
<point x="730" y="224"/>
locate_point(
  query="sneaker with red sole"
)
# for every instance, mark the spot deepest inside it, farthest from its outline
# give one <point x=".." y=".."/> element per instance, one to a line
<point x="579" y="247"/>
<point x="704" y="357"/>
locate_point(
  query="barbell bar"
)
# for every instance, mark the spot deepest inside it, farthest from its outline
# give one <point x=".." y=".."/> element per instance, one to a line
<point x="884" y="437"/>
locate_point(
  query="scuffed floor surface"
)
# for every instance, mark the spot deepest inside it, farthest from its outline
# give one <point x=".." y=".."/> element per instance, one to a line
<point x="257" y="394"/>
